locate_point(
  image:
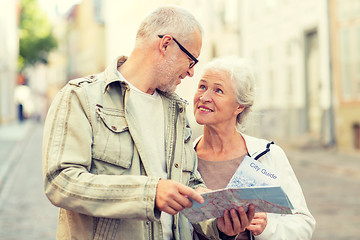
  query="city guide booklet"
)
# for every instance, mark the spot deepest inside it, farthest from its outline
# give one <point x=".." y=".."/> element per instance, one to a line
<point x="253" y="182"/>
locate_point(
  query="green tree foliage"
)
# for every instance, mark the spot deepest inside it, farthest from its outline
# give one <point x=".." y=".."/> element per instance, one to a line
<point x="36" y="38"/>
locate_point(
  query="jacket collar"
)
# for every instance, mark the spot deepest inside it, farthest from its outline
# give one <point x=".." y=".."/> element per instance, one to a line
<point x="254" y="145"/>
<point x="175" y="97"/>
<point x="111" y="76"/>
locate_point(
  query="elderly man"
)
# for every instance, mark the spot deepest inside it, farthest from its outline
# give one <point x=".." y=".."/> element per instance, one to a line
<point x="117" y="155"/>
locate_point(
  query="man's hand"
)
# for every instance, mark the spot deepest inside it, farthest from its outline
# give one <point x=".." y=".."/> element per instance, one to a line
<point x="202" y="190"/>
<point x="258" y="224"/>
<point x="235" y="222"/>
<point x="172" y="197"/>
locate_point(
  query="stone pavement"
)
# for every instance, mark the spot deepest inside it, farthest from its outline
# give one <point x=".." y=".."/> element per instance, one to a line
<point x="331" y="184"/>
<point x="12" y="137"/>
<point x="25" y="212"/>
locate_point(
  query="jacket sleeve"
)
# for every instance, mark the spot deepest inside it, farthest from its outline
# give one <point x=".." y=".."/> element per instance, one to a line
<point x="301" y="224"/>
<point x="67" y="160"/>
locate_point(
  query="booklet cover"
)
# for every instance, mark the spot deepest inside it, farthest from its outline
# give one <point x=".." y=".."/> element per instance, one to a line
<point x="253" y="173"/>
<point x="253" y="182"/>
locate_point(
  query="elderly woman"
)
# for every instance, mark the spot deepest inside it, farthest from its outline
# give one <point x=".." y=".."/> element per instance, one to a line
<point x="223" y="99"/>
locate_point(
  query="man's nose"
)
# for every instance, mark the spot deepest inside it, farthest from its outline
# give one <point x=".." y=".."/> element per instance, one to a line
<point x="190" y="72"/>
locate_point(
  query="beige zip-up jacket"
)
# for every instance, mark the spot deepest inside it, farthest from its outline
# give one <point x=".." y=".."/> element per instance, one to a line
<point x="95" y="168"/>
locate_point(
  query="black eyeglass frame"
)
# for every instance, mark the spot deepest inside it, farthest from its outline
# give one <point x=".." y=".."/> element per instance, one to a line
<point x="195" y="61"/>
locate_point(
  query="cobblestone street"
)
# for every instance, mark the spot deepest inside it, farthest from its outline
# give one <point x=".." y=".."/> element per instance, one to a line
<point x="331" y="184"/>
<point x="25" y="212"/>
<point x="330" y="181"/>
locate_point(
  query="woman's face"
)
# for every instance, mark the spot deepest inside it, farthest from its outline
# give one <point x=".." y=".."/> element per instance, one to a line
<point x="215" y="101"/>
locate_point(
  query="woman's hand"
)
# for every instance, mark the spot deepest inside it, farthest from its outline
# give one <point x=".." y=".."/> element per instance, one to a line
<point x="258" y="224"/>
<point x="234" y="222"/>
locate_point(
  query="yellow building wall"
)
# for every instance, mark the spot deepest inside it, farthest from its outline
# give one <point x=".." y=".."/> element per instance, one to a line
<point x="346" y="118"/>
<point x="88" y="53"/>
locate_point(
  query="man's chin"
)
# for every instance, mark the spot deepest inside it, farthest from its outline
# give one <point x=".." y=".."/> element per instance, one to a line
<point x="168" y="89"/>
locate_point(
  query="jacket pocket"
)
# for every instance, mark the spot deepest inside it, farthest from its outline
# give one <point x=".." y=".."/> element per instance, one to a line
<point x="112" y="141"/>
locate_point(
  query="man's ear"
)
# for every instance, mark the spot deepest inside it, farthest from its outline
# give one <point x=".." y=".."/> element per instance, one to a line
<point x="164" y="43"/>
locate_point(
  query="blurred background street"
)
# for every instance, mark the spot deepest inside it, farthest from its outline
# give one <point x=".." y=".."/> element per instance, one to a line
<point x="306" y="55"/>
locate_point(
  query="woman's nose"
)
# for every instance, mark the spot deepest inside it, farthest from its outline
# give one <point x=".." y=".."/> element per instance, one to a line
<point x="206" y="96"/>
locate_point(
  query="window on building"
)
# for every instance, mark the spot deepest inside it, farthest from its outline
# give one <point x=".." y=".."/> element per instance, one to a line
<point x="357" y="65"/>
<point x="289" y="71"/>
<point x="271" y="74"/>
<point x="350" y="63"/>
<point x="290" y="82"/>
<point x="348" y="9"/>
<point x="231" y="12"/>
<point x="271" y="86"/>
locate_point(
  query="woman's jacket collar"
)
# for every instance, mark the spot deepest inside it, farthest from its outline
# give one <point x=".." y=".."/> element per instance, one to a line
<point x="254" y="145"/>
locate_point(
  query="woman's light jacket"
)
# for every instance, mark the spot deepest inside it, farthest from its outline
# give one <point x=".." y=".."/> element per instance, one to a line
<point x="298" y="226"/>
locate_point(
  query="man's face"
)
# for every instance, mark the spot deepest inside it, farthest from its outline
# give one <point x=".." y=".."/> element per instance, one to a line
<point x="167" y="75"/>
<point x="175" y="66"/>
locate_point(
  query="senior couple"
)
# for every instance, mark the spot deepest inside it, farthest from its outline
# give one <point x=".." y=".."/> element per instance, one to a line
<point x="118" y="155"/>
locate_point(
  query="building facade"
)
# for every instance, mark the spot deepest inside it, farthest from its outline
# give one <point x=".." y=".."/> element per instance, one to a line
<point x="288" y="41"/>
<point x="345" y="47"/>
<point x="86" y="39"/>
<point x="9" y="47"/>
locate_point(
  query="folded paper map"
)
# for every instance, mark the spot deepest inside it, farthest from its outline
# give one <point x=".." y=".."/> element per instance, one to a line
<point x="253" y="183"/>
<point x="271" y="199"/>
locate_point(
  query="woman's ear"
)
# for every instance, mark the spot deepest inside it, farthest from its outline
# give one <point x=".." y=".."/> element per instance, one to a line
<point x="239" y="109"/>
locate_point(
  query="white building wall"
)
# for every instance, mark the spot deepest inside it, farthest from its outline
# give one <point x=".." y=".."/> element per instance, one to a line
<point x="9" y="47"/>
<point x="273" y="35"/>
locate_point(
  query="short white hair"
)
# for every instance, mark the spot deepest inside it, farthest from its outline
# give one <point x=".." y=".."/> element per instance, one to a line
<point x="169" y="19"/>
<point x="242" y="76"/>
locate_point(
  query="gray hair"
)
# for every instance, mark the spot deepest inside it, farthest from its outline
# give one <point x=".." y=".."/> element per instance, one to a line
<point x="168" y="19"/>
<point x="242" y="76"/>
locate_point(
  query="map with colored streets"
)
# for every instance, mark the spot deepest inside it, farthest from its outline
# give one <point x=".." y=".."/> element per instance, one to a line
<point x="271" y="199"/>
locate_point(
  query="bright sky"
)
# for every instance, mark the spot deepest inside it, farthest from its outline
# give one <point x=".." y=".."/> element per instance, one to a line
<point x="62" y="5"/>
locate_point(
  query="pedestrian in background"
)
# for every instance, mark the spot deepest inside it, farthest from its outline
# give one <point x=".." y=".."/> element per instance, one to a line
<point x="117" y="155"/>
<point x="223" y="99"/>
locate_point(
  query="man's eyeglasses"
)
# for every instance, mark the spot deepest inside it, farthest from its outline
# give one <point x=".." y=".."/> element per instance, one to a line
<point x="195" y="61"/>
